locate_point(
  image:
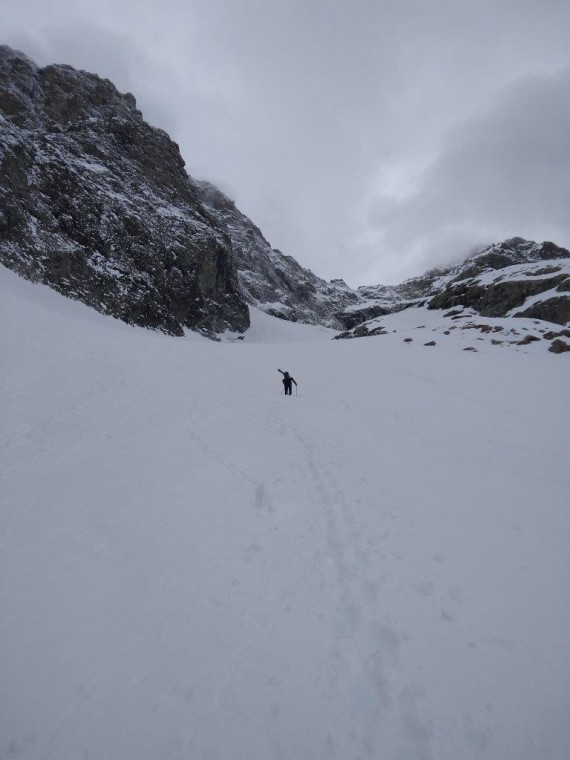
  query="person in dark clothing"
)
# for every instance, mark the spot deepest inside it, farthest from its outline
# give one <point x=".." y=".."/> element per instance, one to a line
<point x="288" y="382"/>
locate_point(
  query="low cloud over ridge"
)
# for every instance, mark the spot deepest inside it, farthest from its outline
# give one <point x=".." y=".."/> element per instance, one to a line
<point x="370" y="141"/>
<point x="504" y="173"/>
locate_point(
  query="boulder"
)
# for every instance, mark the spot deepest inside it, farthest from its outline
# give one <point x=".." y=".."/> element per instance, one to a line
<point x="559" y="346"/>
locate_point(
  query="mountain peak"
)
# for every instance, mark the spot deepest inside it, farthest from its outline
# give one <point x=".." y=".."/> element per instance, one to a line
<point x="97" y="204"/>
<point x="9" y="55"/>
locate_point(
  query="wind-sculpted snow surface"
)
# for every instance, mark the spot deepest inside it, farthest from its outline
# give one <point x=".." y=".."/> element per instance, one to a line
<point x="194" y="566"/>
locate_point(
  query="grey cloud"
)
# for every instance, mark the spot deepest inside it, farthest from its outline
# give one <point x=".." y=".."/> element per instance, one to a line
<point x="321" y="116"/>
<point x="504" y="173"/>
<point x="115" y="55"/>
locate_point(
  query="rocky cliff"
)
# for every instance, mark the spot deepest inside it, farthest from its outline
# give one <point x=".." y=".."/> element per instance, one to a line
<point x="97" y="204"/>
<point x="518" y="278"/>
<point x="515" y="278"/>
<point x="269" y="279"/>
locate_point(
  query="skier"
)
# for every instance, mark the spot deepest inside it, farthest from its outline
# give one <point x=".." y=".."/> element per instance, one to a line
<point x="288" y="382"/>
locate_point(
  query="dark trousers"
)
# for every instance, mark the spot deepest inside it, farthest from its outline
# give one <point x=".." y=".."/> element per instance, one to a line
<point x="288" y="387"/>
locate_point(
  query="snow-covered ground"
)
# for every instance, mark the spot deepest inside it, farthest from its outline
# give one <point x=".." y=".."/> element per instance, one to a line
<point x="194" y="566"/>
<point x="467" y="330"/>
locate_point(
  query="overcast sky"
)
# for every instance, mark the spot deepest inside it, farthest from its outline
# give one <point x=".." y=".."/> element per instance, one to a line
<point x="370" y="139"/>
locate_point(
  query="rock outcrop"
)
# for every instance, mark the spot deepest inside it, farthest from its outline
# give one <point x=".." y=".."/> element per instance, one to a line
<point x="271" y="280"/>
<point x="97" y="204"/>
<point x="515" y="278"/>
<point x="509" y="276"/>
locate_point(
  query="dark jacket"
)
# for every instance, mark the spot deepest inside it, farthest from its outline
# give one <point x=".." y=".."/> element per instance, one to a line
<point x="287" y="379"/>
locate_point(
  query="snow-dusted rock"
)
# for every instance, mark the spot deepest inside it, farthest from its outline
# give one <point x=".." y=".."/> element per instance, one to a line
<point x="509" y="276"/>
<point x="269" y="279"/>
<point x="515" y="278"/>
<point x="97" y="204"/>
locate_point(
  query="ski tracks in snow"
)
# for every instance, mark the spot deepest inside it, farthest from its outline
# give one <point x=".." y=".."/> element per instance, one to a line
<point x="364" y="649"/>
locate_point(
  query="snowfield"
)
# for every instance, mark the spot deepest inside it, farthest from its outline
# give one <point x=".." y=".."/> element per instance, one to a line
<point x="194" y="566"/>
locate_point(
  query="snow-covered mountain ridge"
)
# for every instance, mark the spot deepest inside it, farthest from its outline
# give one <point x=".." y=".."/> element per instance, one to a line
<point x="271" y="280"/>
<point x="493" y="281"/>
<point x="97" y="204"/>
<point x="503" y="279"/>
<point x="517" y="278"/>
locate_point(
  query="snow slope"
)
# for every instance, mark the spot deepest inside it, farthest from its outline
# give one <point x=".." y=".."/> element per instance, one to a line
<point x="464" y="329"/>
<point x="194" y="566"/>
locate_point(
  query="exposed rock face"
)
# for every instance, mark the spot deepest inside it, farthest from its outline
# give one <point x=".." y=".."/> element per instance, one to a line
<point x="493" y="300"/>
<point x="269" y="279"/>
<point x="97" y="204"/>
<point x="497" y="281"/>
<point x="362" y="314"/>
<point x="373" y="301"/>
<point x="552" y="310"/>
<point x="279" y="285"/>
<point x="504" y="277"/>
<point x="517" y="278"/>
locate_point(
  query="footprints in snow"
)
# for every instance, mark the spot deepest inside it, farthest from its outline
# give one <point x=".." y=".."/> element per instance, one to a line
<point x="261" y="499"/>
<point x="364" y="652"/>
<point x="366" y="649"/>
<point x="429" y="590"/>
